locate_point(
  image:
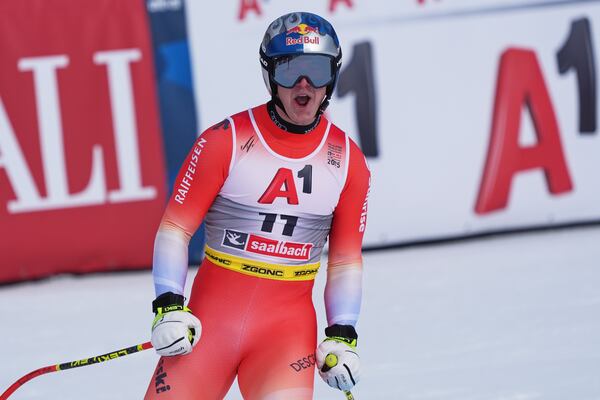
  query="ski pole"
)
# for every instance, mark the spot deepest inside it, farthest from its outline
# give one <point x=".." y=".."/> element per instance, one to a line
<point x="74" y="364"/>
<point x="331" y="361"/>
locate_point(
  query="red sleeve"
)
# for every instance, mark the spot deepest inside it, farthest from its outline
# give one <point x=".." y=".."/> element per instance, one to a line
<point x="200" y="179"/>
<point x="350" y="215"/>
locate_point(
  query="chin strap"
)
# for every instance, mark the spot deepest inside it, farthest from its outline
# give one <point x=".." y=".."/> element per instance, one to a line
<point x="274" y="96"/>
<point x="328" y="95"/>
<point x="277" y="101"/>
<point x="323" y="106"/>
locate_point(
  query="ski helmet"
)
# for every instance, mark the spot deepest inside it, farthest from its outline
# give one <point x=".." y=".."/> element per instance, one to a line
<point x="300" y="45"/>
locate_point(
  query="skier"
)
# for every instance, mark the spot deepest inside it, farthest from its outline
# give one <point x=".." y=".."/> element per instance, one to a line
<point x="272" y="184"/>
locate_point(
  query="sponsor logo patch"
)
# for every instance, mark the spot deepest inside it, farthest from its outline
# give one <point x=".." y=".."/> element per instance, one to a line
<point x="299" y="35"/>
<point x="265" y="246"/>
<point x="301" y="40"/>
<point x="302" y="29"/>
<point x="235" y="239"/>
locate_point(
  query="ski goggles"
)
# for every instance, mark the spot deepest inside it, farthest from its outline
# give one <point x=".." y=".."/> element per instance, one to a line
<point x="316" y="68"/>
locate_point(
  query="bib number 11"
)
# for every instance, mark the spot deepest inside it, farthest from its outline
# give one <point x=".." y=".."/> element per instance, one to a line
<point x="269" y="222"/>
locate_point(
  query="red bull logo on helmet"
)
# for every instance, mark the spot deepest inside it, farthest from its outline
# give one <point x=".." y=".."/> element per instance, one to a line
<point x="302" y="30"/>
<point x="301" y="40"/>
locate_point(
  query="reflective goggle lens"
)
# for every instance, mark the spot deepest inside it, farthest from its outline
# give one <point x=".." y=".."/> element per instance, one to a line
<point x="315" y="67"/>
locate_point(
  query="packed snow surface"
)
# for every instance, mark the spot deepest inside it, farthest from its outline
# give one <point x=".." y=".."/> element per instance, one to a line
<point x="505" y="318"/>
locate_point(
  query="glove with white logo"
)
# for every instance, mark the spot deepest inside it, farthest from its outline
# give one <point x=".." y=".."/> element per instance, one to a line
<point x="337" y="359"/>
<point x="175" y="330"/>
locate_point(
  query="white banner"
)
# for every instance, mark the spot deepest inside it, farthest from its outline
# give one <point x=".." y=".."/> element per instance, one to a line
<point x="424" y="88"/>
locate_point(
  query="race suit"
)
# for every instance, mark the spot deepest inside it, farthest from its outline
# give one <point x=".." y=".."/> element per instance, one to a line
<point x="270" y="199"/>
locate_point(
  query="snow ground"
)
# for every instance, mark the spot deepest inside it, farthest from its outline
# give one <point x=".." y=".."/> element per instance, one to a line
<point x="505" y="318"/>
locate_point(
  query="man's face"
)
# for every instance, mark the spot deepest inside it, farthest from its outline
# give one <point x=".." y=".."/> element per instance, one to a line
<point x="301" y="102"/>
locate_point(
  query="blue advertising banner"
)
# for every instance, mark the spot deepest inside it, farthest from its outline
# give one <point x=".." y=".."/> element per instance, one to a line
<point x="167" y="20"/>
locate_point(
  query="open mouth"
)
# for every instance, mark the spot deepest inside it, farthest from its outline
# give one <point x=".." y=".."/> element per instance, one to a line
<point x="302" y="100"/>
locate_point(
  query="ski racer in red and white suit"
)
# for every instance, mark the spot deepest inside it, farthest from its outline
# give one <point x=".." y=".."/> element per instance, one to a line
<point x="270" y="199"/>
